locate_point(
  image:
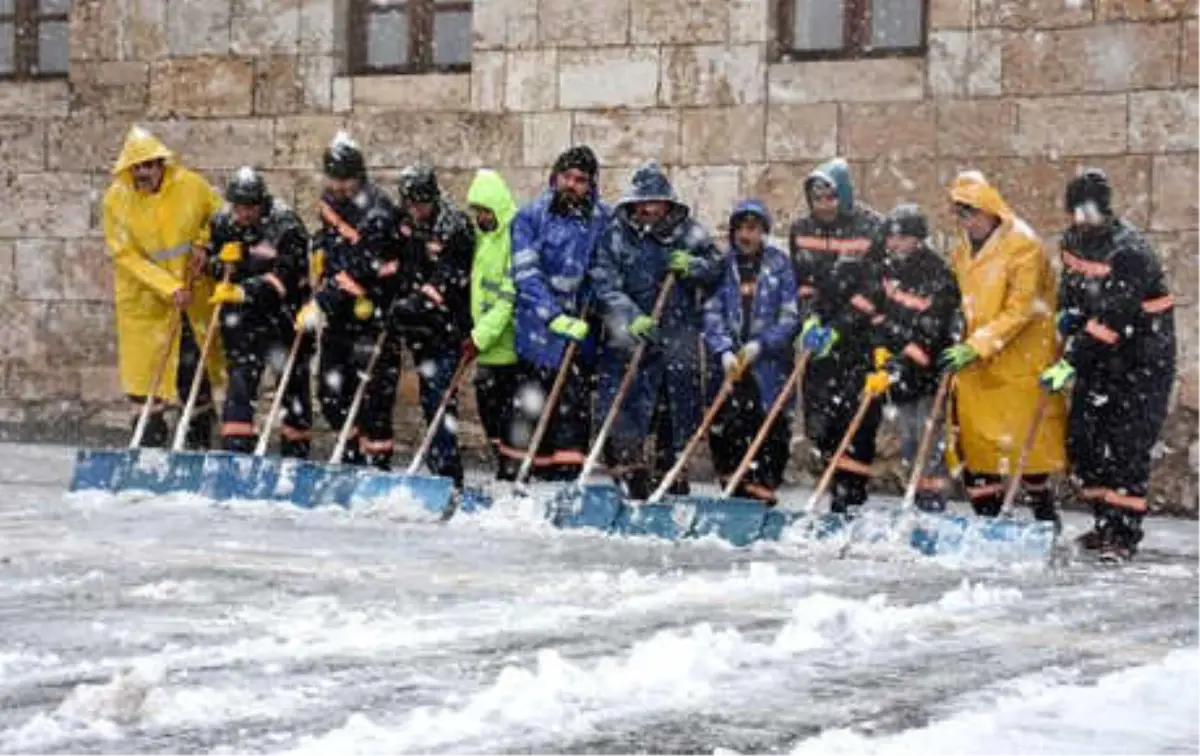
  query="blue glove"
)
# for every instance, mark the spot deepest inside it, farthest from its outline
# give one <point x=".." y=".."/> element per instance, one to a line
<point x="816" y="338"/>
<point x="1068" y="322"/>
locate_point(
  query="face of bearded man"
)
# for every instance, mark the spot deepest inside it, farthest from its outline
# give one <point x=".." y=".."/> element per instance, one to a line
<point x="148" y="176"/>
<point x="572" y="187"/>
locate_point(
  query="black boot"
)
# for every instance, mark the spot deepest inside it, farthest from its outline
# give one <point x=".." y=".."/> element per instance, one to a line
<point x="1041" y="503"/>
<point x="239" y="444"/>
<point x="849" y="494"/>
<point x="933" y="502"/>
<point x="157" y="434"/>
<point x="636" y="484"/>
<point x="200" y="431"/>
<point x="1120" y="533"/>
<point x="295" y="449"/>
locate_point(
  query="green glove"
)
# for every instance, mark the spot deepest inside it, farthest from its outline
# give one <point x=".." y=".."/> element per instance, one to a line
<point x="1056" y="377"/>
<point x="957" y="357"/>
<point x="680" y="263"/>
<point x="644" y="328"/>
<point x="569" y="328"/>
<point x="816" y="338"/>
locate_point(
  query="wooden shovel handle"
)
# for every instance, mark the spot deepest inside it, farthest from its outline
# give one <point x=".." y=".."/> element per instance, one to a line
<point x="827" y="476"/>
<point x="709" y="417"/>
<point x="760" y="438"/>
<point x="435" y="423"/>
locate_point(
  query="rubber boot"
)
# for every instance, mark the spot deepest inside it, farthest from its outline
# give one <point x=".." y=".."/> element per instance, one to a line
<point x="295" y="449"/>
<point x="1120" y="533"/>
<point x="200" y="431"/>
<point x="849" y="494"/>
<point x="157" y="434"/>
<point x="1041" y="504"/>
<point x="932" y="502"/>
<point x="635" y="484"/>
<point x="239" y="444"/>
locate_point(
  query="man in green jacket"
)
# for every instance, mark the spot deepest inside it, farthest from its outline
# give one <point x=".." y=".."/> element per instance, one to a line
<point x="493" y="298"/>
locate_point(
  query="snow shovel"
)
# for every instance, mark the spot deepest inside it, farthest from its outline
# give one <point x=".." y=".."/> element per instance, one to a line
<point x="434" y="494"/>
<point x="583" y="505"/>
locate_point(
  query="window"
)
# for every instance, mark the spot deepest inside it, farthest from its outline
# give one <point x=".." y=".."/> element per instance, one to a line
<point x="808" y="29"/>
<point x="33" y="38"/>
<point x="409" y="36"/>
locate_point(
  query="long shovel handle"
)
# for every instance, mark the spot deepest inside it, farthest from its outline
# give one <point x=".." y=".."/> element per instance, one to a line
<point x="176" y="319"/>
<point x="214" y="322"/>
<point x="831" y="469"/>
<point x="760" y="438"/>
<point x="709" y="417"/>
<point x="436" y="422"/>
<point x="285" y="378"/>
<point x="352" y="414"/>
<point x="626" y="382"/>
<point x="560" y="381"/>
<point x="923" y="449"/>
<point x="1014" y="483"/>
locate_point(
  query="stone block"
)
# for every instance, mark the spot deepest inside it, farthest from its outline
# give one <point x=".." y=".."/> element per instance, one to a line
<point x="1029" y="14"/>
<point x="299" y="141"/>
<point x="749" y="21"/>
<point x="710" y="191"/>
<point x="629" y="137"/>
<point x="85" y="144"/>
<point x="704" y="75"/>
<point x="1073" y="125"/>
<point x="144" y="27"/>
<point x="886" y="183"/>
<point x="111" y="87"/>
<point x="23" y="145"/>
<point x="201" y="87"/>
<point x="1189" y="64"/>
<point x="608" y="78"/>
<point x="868" y="80"/>
<point x="455" y="140"/>
<point x="504" y="24"/>
<point x="722" y="136"/>
<point x="1180" y="255"/>
<point x="1100" y="58"/>
<point x="1163" y="120"/>
<point x="894" y="130"/>
<point x="78" y="334"/>
<point x="277" y="89"/>
<point x="266" y="27"/>
<point x="316" y="74"/>
<point x="526" y="183"/>
<point x="208" y="144"/>
<point x="781" y="187"/>
<point x="546" y="136"/>
<point x="35" y="202"/>
<point x="100" y="383"/>
<point x="57" y="269"/>
<point x="322" y="27"/>
<point x="567" y="23"/>
<point x="488" y="73"/>
<point x="20" y="323"/>
<point x="342" y="94"/>
<point x="970" y="128"/>
<point x="36" y="382"/>
<point x="435" y="91"/>
<point x="8" y="273"/>
<point x="1144" y="10"/>
<point x="674" y="22"/>
<point x="531" y="80"/>
<point x="801" y="132"/>
<point x="950" y="14"/>
<point x="90" y="35"/>
<point x="44" y="99"/>
<point x="308" y="187"/>
<point x="1174" y="199"/>
<point x="966" y="63"/>
<point x="199" y="28"/>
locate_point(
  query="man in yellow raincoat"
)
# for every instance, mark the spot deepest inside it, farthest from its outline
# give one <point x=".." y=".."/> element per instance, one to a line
<point x="156" y="215"/>
<point x="1008" y="302"/>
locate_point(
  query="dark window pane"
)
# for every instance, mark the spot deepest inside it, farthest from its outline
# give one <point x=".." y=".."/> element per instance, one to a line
<point x="53" y="47"/>
<point x="452" y="37"/>
<point x="817" y="24"/>
<point x="6" y="47"/>
<point x="49" y="7"/>
<point x="387" y="38"/>
<point x="7" y="7"/>
<point x="896" y="23"/>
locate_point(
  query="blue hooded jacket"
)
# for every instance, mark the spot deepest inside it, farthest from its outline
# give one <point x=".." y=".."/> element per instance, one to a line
<point x="551" y="256"/>
<point x="630" y="267"/>
<point x="774" y="319"/>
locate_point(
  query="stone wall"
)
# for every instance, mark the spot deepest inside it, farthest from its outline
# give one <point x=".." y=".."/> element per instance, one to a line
<point x="1026" y="90"/>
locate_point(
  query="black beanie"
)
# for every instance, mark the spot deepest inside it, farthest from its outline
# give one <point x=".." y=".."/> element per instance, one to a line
<point x="1090" y="185"/>
<point x="907" y="220"/>
<point x="581" y="157"/>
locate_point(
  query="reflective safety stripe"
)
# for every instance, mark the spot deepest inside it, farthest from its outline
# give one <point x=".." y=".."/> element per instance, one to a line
<point x="862" y="304"/>
<point x="376" y="446"/>
<point x="916" y="353"/>
<point x="905" y="298"/>
<point x="931" y="484"/>
<point x="170" y="254"/>
<point x="560" y="457"/>
<point x="854" y="246"/>
<point x="432" y="294"/>
<point x="1159" y="304"/>
<point x="1088" y="268"/>
<point x="854" y="466"/>
<point x="237" y="429"/>
<point x="1115" y="499"/>
<point x="984" y="491"/>
<point x="1101" y="332"/>
<point x="346" y="283"/>
<point x="1094" y="494"/>
<point x="344" y="229"/>
<point x="276" y="283"/>
<point x="759" y="491"/>
<point x="389" y="268"/>
<point x="295" y="434"/>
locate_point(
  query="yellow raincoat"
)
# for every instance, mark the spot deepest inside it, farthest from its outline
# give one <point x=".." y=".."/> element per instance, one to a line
<point x="1009" y="297"/>
<point x="150" y="238"/>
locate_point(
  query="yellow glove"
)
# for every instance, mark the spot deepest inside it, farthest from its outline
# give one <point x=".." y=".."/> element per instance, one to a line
<point x="317" y="265"/>
<point x="310" y="318"/>
<point x="227" y="293"/>
<point x="877" y="383"/>
<point x="363" y="308"/>
<point x="231" y="252"/>
<point x="882" y="355"/>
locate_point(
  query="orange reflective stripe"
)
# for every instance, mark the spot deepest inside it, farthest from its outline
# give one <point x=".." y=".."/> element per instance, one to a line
<point x="862" y="304"/>
<point x="1134" y="503"/>
<point x="1094" y="493"/>
<point x="905" y="298"/>
<point x="432" y="294"/>
<point x="856" y="246"/>
<point x="916" y="353"/>
<point x="376" y="446"/>
<point x="1089" y="268"/>
<point x="346" y="283"/>
<point x="932" y="484"/>
<point x="568" y="457"/>
<point x="344" y="229"/>
<point x="561" y="457"/>
<point x="1101" y="332"/>
<point x="389" y="268"/>
<point x="804" y="290"/>
<point x="982" y="492"/>
<point x="817" y="243"/>
<point x="854" y="466"/>
<point x="276" y="283"/>
<point x="759" y="491"/>
<point x="295" y="434"/>
<point x="1158" y="305"/>
<point x="237" y="429"/>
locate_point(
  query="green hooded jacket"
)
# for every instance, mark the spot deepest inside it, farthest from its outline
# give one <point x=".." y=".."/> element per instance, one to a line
<point x="493" y="295"/>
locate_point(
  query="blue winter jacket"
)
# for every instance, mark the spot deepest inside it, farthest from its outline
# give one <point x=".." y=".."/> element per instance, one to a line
<point x="551" y="256"/>
<point x="630" y="267"/>
<point x="775" y="315"/>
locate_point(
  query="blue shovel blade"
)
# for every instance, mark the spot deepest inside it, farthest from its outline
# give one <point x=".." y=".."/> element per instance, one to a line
<point x="336" y="486"/>
<point x="101" y="469"/>
<point x="589" y="506"/>
<point x="159" y="471"/>
<point x="473" y="500"/>
<point x="738" y="521"/>
<point x="666" y="520"/>
<point x="430" y="493"/>
<point x="950" y="534"/>
<point x="227" y="475"/>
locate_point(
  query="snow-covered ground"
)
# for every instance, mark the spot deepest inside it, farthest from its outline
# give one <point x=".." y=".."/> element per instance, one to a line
<point x="176" y="625"/>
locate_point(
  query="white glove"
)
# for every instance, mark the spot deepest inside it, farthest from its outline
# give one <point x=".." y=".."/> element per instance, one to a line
<point x="728" y="362"/>
<point x="749" y="353"/>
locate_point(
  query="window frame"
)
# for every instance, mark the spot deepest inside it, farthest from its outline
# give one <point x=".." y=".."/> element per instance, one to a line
<point x="856" y="35"/>
<point x="26" y="19"/>
<point x="422" y="16"/>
